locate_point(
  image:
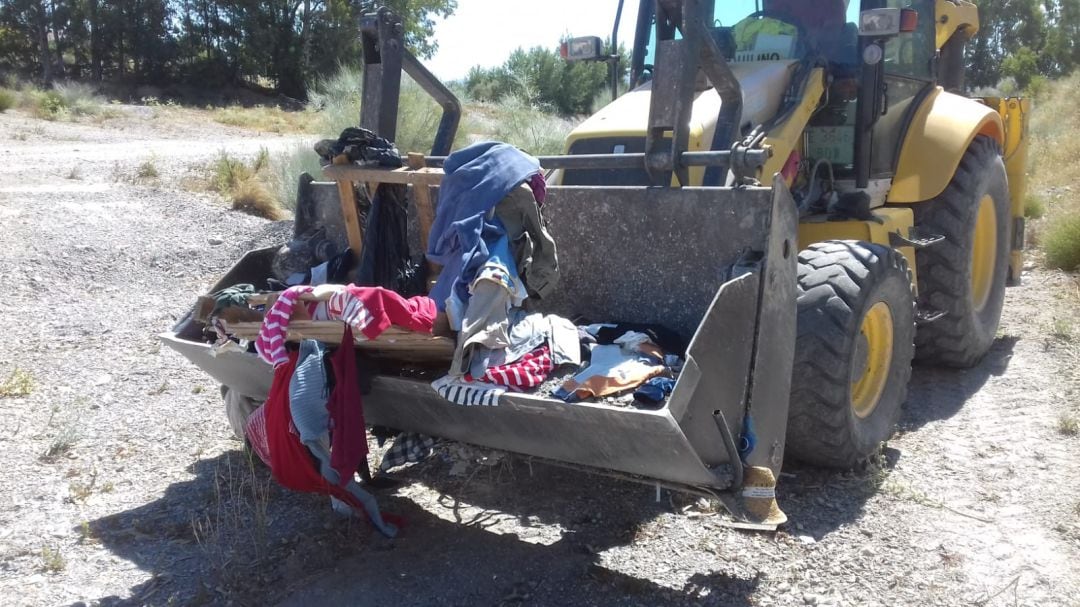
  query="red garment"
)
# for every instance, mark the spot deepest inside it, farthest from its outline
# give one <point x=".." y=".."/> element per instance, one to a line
<point x="388" y="308"/>
<point x="348" y="435"/>
<point x="255" y="430"/>
<point x="290" y="462"/>
<point x="529" y="372"/>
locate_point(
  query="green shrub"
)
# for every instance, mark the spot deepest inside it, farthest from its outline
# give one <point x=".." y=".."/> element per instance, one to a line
<point x="253" y="198"/>
<point x="262" y="118"/>
<point x="64" y="102"/>
<point x="1062" y="243"/>
<point x="1034" y="207"/>
<point x="246" y="186"/>
<point x="523" y="125"/>
<point x="7" y="100"/>
<point x="228" y="173"/>
<point x="286" y="169"/>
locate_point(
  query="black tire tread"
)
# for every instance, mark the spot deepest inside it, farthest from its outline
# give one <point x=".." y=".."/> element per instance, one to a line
<point x="833" y="280"/>
<point x="942" y="268"/>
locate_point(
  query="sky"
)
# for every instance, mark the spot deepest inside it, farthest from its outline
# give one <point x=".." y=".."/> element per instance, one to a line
<point x="485" y="32"/>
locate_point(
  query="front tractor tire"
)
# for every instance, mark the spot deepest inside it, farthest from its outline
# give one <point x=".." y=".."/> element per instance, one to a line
<point x="965" y="275"/>
<point x="853" y="351"/>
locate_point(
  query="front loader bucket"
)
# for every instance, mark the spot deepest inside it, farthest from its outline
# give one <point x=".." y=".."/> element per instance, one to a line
<point x="716" y="265"/>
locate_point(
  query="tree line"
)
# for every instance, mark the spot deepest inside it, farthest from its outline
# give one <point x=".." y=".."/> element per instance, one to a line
<point x="1026" y="40"/>
<point x="541" y="77"/>
<point x="286" y="43"/>
<point x="290" y="43"/>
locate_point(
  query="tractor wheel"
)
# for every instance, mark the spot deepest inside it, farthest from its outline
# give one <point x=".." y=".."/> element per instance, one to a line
<point x="853" y="351"/>
<point x="964" y="275"/>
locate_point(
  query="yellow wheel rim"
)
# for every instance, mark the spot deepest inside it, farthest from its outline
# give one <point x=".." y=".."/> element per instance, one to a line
<point x="984" y="253"/>
<point x="873" y="356"/>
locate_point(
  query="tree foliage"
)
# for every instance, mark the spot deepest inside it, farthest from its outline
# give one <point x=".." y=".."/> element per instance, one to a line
<point x="1025" y="40"/>
<point x="541" y="77"/>
<point x="209" y="42"/>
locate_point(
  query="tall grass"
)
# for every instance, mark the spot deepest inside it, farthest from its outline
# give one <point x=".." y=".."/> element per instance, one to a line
<point x="65" y="101"/>
<point x="8" y="98"/>
<point x="266" y="118"/>
<point x="335" y="106"/>
<point x="246" y="185"/>
<point x="524" y="125"/>
<point x="285" y="171"/>
<point x="1055" y="170"/>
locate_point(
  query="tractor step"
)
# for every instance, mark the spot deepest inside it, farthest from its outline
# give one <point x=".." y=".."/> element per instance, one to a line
<point x="915" y="238"/>
<point x="925" y="316"/>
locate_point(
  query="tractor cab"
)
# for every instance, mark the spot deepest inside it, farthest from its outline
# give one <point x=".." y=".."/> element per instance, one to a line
<point x="774" y="49"/>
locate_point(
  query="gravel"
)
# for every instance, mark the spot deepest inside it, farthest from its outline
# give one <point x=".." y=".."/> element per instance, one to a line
<point x="122" y="484"/>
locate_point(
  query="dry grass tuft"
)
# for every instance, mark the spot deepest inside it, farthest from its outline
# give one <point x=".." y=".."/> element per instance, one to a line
<point x="1061" y="241"/>
<point x="1055" y="172"/>
<point x="1034" y="207"/>
<point x="8" y="99"/>
<point x="52" y="560"/>
<point x="254" y="198"/>
<point x="245" y="185"/>
<point x="147" y="170"/>
<point x="65" y="101"/>
<point x="269" y="119"/>
<point x="19" y="383"/>
<point x="1069" y="424"/>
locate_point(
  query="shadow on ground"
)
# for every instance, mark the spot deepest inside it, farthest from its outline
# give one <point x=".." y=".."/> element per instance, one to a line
<point x="216" y="538"/>
<point x="230" y="533"/>
<point x="938" y="393"/>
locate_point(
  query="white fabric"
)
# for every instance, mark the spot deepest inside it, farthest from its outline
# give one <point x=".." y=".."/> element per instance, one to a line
<point x="468" y="393"/>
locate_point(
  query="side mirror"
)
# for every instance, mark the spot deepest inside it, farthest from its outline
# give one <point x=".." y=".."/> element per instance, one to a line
<point x="887" y="22"/>
<point x="586" y="48"/>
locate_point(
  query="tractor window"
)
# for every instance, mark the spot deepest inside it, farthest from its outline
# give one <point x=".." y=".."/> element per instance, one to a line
<point x="912" y="54"/>
<point x="726" y="14"/>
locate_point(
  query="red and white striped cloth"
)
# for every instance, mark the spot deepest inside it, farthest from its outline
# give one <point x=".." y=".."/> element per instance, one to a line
<point x="368" y="310"/>
<point x="344" y="305"/>
<point x="528" y="372"/>
<point x="270" y="344"/>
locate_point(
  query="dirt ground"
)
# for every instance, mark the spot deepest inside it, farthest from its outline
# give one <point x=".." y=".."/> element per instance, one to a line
<point x="122" y="484"/>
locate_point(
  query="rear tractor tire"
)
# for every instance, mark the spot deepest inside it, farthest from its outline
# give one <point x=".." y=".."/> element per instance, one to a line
<point x="853" y="351"/>
<point x="965" y="275"/>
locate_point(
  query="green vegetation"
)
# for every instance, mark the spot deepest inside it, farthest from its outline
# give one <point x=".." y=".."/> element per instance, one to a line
<point x="246" y="185"/>
<point x="1069" y="424"/>
<point x="8" y="99"/>
<point x="1055" y="173"/>
<point x="210" y="43"/>
<point x="335" y="105"/>
<point x="64" y="101"/>
<point x="147" y="170"/>
<point x="19" y="383"/>
<point x="1034" y="206"/>
<point x="52" y="560"/>
<point x="1061" y="242"/>
<point x="540" y="78"/>
<point x="265" y="118"/>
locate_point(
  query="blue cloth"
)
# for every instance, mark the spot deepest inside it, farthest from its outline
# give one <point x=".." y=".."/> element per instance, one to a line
<point x="476" y="179"/>
<point x="655" y="390"/>
<point x="747" y="438"/>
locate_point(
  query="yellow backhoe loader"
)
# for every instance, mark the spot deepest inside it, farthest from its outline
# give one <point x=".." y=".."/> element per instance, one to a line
<point x="899" y="179"/>
<point x="795" y="188"/>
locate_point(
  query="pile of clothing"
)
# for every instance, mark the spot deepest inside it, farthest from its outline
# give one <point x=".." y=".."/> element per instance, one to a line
<point x="498" y="262"/>
<point x="311" y="429"/>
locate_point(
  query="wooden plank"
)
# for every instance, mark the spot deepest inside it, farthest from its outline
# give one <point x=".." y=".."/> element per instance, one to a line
<point x="425" y="215"/>
<point x="351" y="172"/>
<point x="268" y="299"/>
<point x="203" y="307"/>
<point x="352" y="218"/>
<point x="394" y="340"/>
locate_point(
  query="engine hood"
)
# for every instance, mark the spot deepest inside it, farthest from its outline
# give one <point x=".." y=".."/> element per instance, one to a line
<point x="763" y="85"/>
